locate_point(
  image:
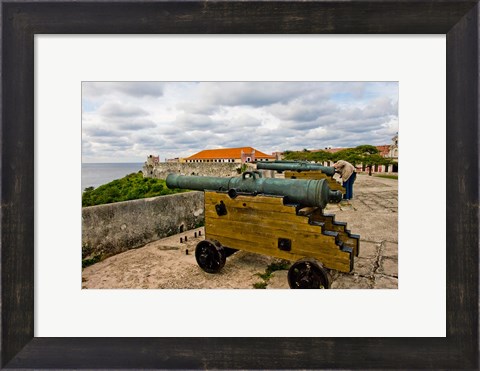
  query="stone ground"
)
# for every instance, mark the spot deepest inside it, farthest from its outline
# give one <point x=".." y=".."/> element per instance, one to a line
<point x="372" y="213"/>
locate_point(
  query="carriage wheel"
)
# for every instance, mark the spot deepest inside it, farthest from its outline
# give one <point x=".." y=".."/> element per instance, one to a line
<point x="210" y="255"/>
<point x="308" y="274"/>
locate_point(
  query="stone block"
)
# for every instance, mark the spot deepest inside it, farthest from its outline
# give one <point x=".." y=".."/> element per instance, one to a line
<point x="370" y="225"/>
<point x="364" y="266"/>
<point x="278" y="280"/>
<point x="388" y="266"/>
<point x="389" y="249"/>
<point x="346" y="207"/>
<point x="351" y="281"/>
<point x="385" y="282"/>
<point x="368" y="249"/>
<point x="360" y="206"/>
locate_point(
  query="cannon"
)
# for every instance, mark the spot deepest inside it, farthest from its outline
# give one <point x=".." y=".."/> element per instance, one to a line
<point x="281" y="166"/>
<point x="303" y="170"/>
<point x="282" y="218"/>
<point x="305" y="192"/>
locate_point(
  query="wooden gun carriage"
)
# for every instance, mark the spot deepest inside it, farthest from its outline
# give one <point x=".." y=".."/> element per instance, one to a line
<point x="282" y="218"/>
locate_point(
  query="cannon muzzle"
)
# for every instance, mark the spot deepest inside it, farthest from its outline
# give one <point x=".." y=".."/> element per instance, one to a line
<point x="306" y="192"/>
<point x="295" y="166"/>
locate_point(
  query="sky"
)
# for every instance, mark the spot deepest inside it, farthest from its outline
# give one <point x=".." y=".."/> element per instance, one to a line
<point x="127" y="121"/>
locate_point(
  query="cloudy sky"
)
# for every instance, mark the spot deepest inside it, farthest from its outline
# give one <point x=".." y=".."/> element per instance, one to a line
<point x="127" y="121"/>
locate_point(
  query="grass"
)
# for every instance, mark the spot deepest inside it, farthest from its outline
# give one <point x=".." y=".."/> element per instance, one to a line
<point x="200" y="224"/>
<point x="260" y="285"/>
<point x="90" y="261"/>
<point x="387" y="176"/>
<point x="275" y="266"/>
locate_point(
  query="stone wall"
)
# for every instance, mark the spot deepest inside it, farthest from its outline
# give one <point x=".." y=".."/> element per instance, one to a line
<point x="223" y="169"/>
<point x="113" y="228"/>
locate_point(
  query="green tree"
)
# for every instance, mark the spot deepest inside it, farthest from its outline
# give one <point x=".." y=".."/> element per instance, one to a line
<point x="367" y="155"/>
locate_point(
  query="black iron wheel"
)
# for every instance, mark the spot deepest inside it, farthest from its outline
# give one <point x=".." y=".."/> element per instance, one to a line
<point x="210" y="255"/>
<point x="308" y="274"/>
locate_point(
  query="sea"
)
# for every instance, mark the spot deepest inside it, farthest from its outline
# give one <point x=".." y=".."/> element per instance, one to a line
<point x="94" y="175"/>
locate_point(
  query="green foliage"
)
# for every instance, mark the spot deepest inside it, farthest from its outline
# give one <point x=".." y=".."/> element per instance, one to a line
<point x="260" y="285"/>
<point x="319" y="156"/>
<point x="130" y="187"/>
<point x="275" y="266"/>
<point x="364" y="154"/>
<point x="200" y="224"/>
<point x="366" y="149"/>
<point x="90" y="261"/>
<point x="86" y="250"/>
<point x="242" y="168"/>
<point x="88" y="257"/>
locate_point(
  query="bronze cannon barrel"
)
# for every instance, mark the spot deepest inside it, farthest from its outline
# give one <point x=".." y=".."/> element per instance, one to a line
<point x="295" y="166"/>
<point x="307" y="192"/>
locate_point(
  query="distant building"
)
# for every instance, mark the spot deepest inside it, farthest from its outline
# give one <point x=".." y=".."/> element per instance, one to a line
<point x="383" y="150"/>
<point x="393" y="148"/>
<point x="176" y="159"/>
<point x="150" y="164"/>
<point x="278" y="155"/>
<point x="236" y="155"/>
<point x="152" y="160"/>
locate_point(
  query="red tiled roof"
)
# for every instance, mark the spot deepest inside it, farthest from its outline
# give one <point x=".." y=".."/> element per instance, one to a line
<point x="228" y="153"/>
<point x="383" y="150"/>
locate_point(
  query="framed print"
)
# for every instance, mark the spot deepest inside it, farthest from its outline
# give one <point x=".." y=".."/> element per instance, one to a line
<point x="64" y="73"/>
<point x="22" y="348"/>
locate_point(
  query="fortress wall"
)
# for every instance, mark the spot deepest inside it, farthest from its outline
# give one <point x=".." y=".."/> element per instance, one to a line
<point x="113" y="228"/>
<point x="223" y="169"/>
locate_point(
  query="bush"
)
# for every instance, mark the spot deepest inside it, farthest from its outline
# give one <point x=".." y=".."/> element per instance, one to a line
<point x="131" y="187"/>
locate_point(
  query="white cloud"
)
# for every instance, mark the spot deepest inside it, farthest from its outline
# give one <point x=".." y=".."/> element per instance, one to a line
<point x="126" y="121"/>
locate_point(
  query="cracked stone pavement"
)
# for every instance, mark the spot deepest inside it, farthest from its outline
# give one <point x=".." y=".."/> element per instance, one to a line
<point x="373" y="214"/>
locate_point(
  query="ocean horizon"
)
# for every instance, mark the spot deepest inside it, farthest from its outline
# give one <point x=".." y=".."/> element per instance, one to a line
<point x="97" y="174"/>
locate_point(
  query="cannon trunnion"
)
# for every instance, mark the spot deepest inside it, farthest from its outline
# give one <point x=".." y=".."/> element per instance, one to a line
<point x="274" y="225"/>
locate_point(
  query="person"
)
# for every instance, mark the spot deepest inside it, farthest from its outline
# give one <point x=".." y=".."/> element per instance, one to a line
<point x="348" y="174"/>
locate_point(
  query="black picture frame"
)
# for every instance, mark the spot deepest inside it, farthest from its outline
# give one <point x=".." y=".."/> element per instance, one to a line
<point x="458" y="20"/>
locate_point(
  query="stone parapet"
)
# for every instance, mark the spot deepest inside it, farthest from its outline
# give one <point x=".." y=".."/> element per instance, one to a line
<point x="113" y="228"/>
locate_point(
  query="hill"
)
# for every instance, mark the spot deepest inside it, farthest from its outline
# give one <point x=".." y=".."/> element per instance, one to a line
<point x="130" y="187"/>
